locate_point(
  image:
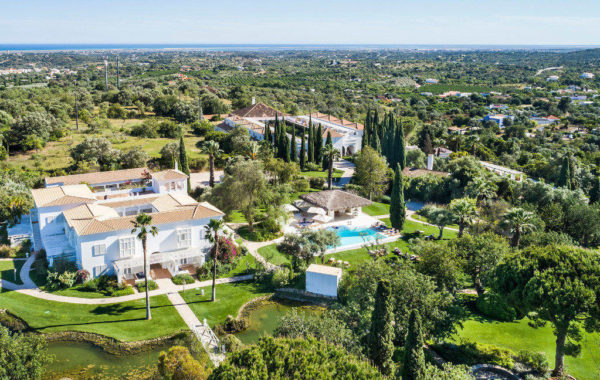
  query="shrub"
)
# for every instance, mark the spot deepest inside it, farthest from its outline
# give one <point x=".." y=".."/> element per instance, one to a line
<point x="107" y="283"/>
<point x="123" y="291"/>
<point x="312" y="167"/>
<point x="201" y="128"/>
<point x="61" y="266"/>
<point x="316" y="182"/>
<point x="142" y="286"/>
<point x="82" y="276"/>
<point x="534" y="360"/>
<point x="493" y="306"/>
<point x="89" y="286"/>
<point x="280" y="278"/>
<point x="169" y="129"/>
<point x="181" y="279"/>
<point x="232" y="343"/>
<point x="6" y="251"/>
<point x="148" y="129"/>
<point x="301" y="185"/>
<point x="231" y="326"/>
<point x="67" y="279"/>
<point x="472" y="353"/>
<point x="198" y="163"/>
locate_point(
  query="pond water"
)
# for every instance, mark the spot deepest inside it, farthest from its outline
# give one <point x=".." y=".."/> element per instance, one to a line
<point x="264" y="319"/>
<point x="85" y="361"/>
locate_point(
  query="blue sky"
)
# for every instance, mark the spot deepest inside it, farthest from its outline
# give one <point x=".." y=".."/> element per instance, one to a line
<point x="551" y="22"/>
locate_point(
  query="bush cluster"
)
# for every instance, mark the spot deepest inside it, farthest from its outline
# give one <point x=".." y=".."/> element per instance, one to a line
<point x="472" y="353"/>
<point x="181" y="279"/>
<point x="142" y="286"/>
<point x="491" y="305"/>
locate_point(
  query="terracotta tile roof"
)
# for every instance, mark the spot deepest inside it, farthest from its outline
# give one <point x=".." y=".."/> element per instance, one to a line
<point x="258" y="110"/>
<point x="130" y="202"/>
<point x="335" y="120"/>
<point x="62" y="195"/>
<point x="172" y="201"/>
<point x="334" y="133"/>
<point x="198" y="211"/>
<point x="225" y="127"/>
<point x="100" y="177"/>
<point x="169" y="175"/>
<point x="416" y="172"/>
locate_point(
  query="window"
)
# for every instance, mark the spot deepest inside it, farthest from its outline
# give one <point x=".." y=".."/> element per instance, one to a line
<point x="99" y="250"/>
<point x="127" y="246"/>
<point x="184" y="237"/>
<point x="98" y="270"/>
<point x="183" y="261"/>
<point x="127" y="271"/>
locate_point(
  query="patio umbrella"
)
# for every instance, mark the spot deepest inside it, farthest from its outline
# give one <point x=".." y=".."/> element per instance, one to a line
<point x="322" y="218"/>
<point x="290" y="208"/>
<point x="316" y="210"/>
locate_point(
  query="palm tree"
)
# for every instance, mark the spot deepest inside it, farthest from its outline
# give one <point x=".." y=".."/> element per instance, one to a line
<point x="520" y="221"/>
<point x="253" y="150"/>
<point x="332" y="154"/>
<point x="481" y="189"/>
<point x="465" y="210"/>
<point x="212" y="149"/>
<point x="17" y="208"/>
<point x="212" y="234"/>
<point x="143" y="223"/>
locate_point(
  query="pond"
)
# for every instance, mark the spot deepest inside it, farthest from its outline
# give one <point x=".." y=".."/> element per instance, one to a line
<point x="78" y="360"/>
<point x="263" y="320"/>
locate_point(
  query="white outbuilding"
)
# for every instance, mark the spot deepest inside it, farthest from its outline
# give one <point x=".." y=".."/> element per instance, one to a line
<point x="323" y="279"/>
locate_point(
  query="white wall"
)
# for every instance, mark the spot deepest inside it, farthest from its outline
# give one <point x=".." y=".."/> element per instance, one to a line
<point x="164" y="241"/>
<point x="319" y="283"/>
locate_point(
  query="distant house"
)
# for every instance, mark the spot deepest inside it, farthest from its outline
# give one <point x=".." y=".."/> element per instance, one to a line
<point x="552" y="78"/>
<point x="587" y="76"/>
<point x="504" y="171"/>
<point x="498" y="118"/>
<point x="457" y="130"/>
<point x="442" y="152"/>
<point x="498" y="106"/>
<point x="545" y="120"/>
<point x="323" y="280"/>
<point x="431" y="81"/>
<point x="349" y="134"/>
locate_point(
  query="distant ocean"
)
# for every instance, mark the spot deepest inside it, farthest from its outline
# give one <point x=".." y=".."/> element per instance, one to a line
<point x="266" y="47"/>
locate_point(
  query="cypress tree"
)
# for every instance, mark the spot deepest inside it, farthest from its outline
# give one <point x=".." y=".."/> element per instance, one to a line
<point x="595" y="192"/>
<point x="268" y="132"/>
<point x="414" y="358"/>
<point x="293" y="150"/>
<point x="377" y="144"/>
<point x="365" y="136"/>
<point x="282" y="144"/>
<point x="311" y="144"/>
<point x="397" y="205"/>
<point x="319" y="145"/>
<point x="183" y="160"/>
<point x="564" y="179"/>
<point x="302" y="152"/>
<point x="328" y="142"/>
<point x="286" y="148"/>
<point x="400" y="146"/>
<point x="381" y="334"/>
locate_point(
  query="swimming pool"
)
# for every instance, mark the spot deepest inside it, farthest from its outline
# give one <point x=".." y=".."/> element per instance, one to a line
<point x="356" y="235"/>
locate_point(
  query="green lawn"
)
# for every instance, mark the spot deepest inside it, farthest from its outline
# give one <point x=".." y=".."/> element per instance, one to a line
<point x="376" y="209"/>
<point x="337" y="173"/>
<point x="243" y="263"/>
<point x="75" y="291"/>
<point x="7" y="268"/>
<point x="230" y="297"/>
<point x="519" y="335"/>
<point x="123" y="321"/>
<point x="272" y="255"/>
<point x="424" y="219"/>
<point x="359" y="255"/>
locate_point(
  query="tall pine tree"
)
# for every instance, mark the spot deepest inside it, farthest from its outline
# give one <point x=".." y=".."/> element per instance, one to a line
<point x="414" y="358"/>
<point x="293" y="149"/>
<point x="595" y="191"/>
<point x="319" y="145"/>
<point x="328" y="142"/>
<point x="564" y="178"/>
<point x="381" y="334"/>
<point x="183" y="160"/>
<point x="311" y="144"/>
<point x="302" y="151"/>
<point x="397" y="205"/>
<point x="400" y="146"/>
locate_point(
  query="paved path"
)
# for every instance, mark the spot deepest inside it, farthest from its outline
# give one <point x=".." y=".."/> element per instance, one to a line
<point x="253" y="247"/>
<point x="348" y="168"/>
<point x="202" y="178"/>
<point x="29" y="288"/>
<point x="201" y="330"/>
<point x="410" y="217"/>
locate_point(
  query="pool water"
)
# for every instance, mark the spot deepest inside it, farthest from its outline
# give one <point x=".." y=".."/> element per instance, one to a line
<point x="356" y="235"/>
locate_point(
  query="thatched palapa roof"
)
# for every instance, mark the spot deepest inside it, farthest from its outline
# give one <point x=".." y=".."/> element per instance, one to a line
<point x="335" y="200"/>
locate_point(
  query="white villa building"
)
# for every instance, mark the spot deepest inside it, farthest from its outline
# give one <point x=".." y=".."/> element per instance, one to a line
<point x="87" y="218"/>
<point x="346" y="135"/>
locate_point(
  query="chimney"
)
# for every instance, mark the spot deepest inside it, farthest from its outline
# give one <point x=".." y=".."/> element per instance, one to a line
<point x="253" y="100"/>
<point x="430" y="162"/>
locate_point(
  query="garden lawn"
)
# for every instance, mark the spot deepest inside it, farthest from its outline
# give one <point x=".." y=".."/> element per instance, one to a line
<point x="337" y="173"/>
<point x="74" y="291"/>
<point x="424" y="219"/>
<point x="7" y="268"/>
<point x="519" y="335"/>
<point x="272" y="255"/>
<point x="243" y="263"/>
<point x="123" y="321"/>
<point x="377" y="208"/>
<point x="230" y="298"/>
<point x="410" y="227"/>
